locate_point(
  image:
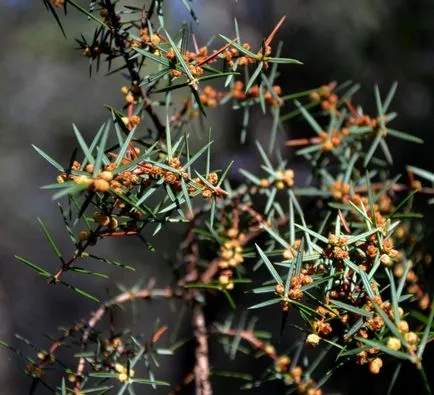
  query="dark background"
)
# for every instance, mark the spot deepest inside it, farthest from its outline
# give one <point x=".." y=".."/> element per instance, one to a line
<point x="44" y="87"/>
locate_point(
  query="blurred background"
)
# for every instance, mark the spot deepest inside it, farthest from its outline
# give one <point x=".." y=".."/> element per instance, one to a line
<point x="44" y="87"/>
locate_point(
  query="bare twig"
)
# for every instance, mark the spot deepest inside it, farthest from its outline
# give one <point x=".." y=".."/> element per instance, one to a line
<point x="201" y="369"/>
<point x="145" y="293"/>
<point x="250" y="337"/>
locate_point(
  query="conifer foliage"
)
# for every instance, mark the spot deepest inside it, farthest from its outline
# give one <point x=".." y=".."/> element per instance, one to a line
<point x="343" y="250"/>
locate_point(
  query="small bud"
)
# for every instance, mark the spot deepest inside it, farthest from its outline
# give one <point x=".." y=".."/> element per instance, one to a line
<point x="83" y="180"/>
<point x="412" y="338"/>
<point x="333" y="99"/>
<point x="232" y="233"/>
<point x="134" y="120"/>
<point x="279" y="289"/>
<point x="280" y="185"/>
<point x="232" y="262"/>
<point x="155" y="40"/>
<point x="287" y="254"/>
<point x="106" y="175"/>
<point x="289" y="173"/>
<point x="393" y="343"/>
<point x="269" y="349"/>
<point x="333" y="239"/>
<point x="285" y="305"/>
<point x="375" y="365"/>
<point x="264" y="183"/>
<point x="296" y="373"/>
<point x="392" y="312"/>
<point x="398" y="270"/>
<point x="86" y="52"/>
<point x="125" y="90"/>
<point x="282" y="363"/>
<point x="324" y="91"/>
<point x="122" y="377"/>
<point x="42" y="355"/>
<point x="403" y="326"/>
<point x="207" y="193"/>
<point x="83" y="235"/>
<point x="312" y="340"/>
<point x="117" y="342"/>
<point x="327" y="145"/>
<point x="386" y="260"/>
<point x="417" y="185"/>
<point x="279" y="175"/>
<point x="424" y="302"/>
<point x="314" y="96"/>
<point x="101" y="185"/>
<point x="213" y="178"/>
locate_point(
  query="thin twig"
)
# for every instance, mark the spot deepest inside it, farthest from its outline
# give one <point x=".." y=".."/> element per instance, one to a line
<point x="145" y="293"/>
<point x="250" y="337"/>
<point x="132" y="67"/>
<point x="201" y="369"/>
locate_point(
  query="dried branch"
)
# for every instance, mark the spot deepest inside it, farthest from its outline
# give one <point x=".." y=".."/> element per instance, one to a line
<point x="145" y="293"/>
<point x="201" y="369"/>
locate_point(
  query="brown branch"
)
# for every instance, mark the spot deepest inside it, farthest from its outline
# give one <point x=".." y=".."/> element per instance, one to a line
<point x="298" y="142"/>
<point x="189" y="252"/>
<point x="120" y="233"/>
<point x="145" y="293"/>
<point x="67" y="265"/>
<point x="201" y="369"/>
<point x="250" y="338"/>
